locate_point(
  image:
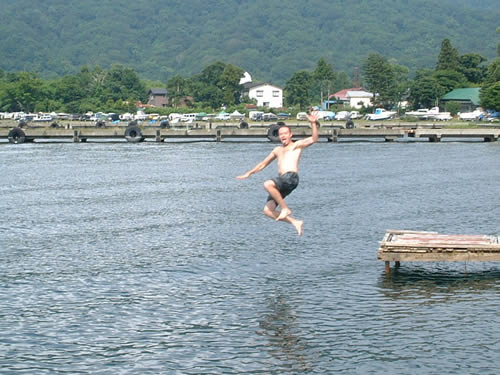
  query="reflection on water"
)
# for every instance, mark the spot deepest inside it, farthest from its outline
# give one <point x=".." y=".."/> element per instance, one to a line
<point x="403" y="282"/>
<point x="280" y="326"/>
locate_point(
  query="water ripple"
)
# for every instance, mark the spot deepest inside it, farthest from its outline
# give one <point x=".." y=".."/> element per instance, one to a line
<point x="153" y="259"/>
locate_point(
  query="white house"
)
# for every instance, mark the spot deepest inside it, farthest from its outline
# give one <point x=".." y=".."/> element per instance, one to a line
<point x="355" y="98"/>
<point x="267" y="95"/>
<point x="358" y="99"/>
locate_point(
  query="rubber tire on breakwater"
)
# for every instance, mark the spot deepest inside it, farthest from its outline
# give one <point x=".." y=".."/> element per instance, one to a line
<point x="134" y="134"/>
<point x="273" y="133"/>
<point x="349" y="124"/>
<point x="243" y="125"/>
<point x="17" y="135"/>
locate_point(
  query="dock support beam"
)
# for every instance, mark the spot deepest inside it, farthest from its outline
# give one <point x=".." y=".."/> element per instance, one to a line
<point x="158" y="137"/>
<point x="334" y="136"/>
<point x="397" y="264"/>
<point x="435" y="138"/>
<point x="76" y="136"/>
<point x="218" y="136"/>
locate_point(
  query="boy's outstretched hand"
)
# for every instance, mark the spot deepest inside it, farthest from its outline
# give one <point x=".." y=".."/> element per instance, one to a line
<point x="312" y="116"/>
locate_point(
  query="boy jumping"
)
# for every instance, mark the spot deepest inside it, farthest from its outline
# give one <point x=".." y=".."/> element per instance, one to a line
<point x="288" y="155"/>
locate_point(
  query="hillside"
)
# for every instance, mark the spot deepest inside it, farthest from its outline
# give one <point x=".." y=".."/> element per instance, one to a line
<point x="271" y="39"/>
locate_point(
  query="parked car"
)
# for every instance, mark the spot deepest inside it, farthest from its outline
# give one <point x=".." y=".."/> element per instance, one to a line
<point x="269" y="117"/>
<point x="255" y="115"/>
<point x="342" y="115"/>
<point x="355" y="114"/>
<point x="301" y="116"/>
<point x="326" y="115"/>
<point x="284" y="116"/>
<point x="188" y="117"/>
<point x="223" y="117"/>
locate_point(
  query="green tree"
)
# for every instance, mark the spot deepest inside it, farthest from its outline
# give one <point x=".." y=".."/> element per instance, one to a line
<point x="211" y="74"/>
<point x="490" y="91"/>
<point x="448" y="58"/>
<point x="342" y="81"/>
<point x="400" y="84"/>
<point x="177" y="88"/>
<point x="323" y="77"/>
<point x="22" y="93"/>
<point x="453" y="107"/>
<point x="297" y="89"/>
<point x="230" y="84"/>
<point x="425" y="90"/>
<point x="450" y="79"/>
<point x="498" y="46"/>
<point x="379" y="77"/>
<point x="217" y="84"/>
<point x="470" y="65"/>
<point x="493" y="74"/>
<point x="490" y="96"/>
<point x="70" y="92"/>
<point x="211" y="96"/>
<point x="121" y="83"/>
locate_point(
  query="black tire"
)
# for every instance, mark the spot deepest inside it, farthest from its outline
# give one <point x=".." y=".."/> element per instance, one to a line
<point x="134" y="134"/>
<point x="273" y="133"/>
<point x="100" y="124"/>
<point x="243" y="125"/>
<point x="349" y="124"/>
<point x="164" y="124"/>
<point x="54" y="125"/>
<point x="17" y="135"/>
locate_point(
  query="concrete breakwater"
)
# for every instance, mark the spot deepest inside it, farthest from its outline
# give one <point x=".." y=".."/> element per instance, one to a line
<point x="83" y="132"/>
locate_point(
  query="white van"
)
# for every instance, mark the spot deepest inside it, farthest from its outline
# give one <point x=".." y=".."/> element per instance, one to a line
<point x="301" y="116"/>
<point x="255" y="115"/>
<point x="188" y="117"/>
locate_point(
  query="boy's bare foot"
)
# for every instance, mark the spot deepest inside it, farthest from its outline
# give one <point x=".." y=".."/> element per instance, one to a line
<point x="283" y="214"/>
<point x="298" y="224"/>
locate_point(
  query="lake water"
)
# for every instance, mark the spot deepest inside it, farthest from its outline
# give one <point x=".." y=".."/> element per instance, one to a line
<point x="150" y="258"/>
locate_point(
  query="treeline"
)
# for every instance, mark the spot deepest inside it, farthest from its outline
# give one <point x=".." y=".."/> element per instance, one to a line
<point x="452" y="71"/>
<point x="119" y="88"/>
<point x="114" y="90"/>
<point x="392" y="85"/>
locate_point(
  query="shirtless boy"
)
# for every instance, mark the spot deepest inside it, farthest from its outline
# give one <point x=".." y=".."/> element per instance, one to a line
<point x="288" y="155"/>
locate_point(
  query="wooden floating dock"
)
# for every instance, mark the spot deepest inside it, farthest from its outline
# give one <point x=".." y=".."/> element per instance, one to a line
<point x="412" y="246"/>
<point x="218" y="134"/>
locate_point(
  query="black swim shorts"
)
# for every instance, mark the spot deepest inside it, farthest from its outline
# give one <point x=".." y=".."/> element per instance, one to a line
<point x="285" y="183"/>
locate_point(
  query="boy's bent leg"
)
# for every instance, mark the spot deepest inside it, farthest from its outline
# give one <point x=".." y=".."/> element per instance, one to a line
<point x="270" y="210"/>
<point x="273" y="191"/>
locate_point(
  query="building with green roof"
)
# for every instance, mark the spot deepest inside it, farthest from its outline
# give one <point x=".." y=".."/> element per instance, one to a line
<point x="468" y="98"/>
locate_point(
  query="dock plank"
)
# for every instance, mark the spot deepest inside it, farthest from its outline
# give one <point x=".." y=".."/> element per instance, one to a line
<point x="403" y="245"/>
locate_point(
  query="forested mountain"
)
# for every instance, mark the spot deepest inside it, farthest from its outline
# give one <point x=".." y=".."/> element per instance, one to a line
<point x="271" y="39"/>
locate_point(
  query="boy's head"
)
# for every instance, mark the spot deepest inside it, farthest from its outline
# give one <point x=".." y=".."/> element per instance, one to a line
<point x="285" y="133"/>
